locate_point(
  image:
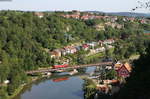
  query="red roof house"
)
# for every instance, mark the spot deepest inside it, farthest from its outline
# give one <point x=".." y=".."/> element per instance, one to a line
<point x="123" y="72"/>
<point x="85" y="46"/>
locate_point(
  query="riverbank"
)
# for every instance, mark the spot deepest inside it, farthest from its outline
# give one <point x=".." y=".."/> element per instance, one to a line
<point x="109" y="80"/>
<point x="89" y="88"/>
<point x="89" y="59"/>
<point x="17" y="91"/>
<point x="21" y="87"/>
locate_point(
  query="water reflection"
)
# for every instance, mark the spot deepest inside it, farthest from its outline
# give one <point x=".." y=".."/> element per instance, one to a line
<point x="59" y="86"/>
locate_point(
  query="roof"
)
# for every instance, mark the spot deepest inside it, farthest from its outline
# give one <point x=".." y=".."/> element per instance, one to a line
<point x="118" y="65"/>
<point x="39" y="13"/>
<point x="128" y="66"/>
<point x="123" y="71"/>
<point x="85" y="45"/>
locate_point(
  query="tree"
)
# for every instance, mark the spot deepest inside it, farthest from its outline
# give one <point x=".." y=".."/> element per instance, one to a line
<point x="112" y="74"/>
<point x="142" y="4"/>
<point x="138" y="84"/>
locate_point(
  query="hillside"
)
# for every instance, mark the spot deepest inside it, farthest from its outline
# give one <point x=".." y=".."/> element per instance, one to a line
<point x="24" y="36"/>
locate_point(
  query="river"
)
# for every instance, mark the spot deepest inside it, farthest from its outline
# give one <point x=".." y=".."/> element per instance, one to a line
<point x="146" y="32"/>
<point x="61" y="87"/>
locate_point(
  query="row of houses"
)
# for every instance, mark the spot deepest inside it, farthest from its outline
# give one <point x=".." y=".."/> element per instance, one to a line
<point x="57" y="53"/>
<point x="114" y="25"/>
<point x="101" y="26"/>
<point x="87" y="16"/>
<point x="78" y="15"/>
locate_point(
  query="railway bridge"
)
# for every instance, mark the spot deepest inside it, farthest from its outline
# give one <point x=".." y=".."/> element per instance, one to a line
<point x="69" y="67"/>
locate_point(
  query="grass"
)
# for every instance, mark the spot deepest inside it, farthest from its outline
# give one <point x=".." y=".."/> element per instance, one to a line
<point x="135" y="56"/>
<point x="97" y="55"/>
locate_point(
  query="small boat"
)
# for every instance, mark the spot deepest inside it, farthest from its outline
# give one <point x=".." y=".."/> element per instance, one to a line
<point x="73" y="72"/>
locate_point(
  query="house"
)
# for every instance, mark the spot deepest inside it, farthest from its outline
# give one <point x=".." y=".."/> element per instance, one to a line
<point x="92" y="51"/>
<point x="97" y="50"/>
<point x="92" y="44"/>
<point x="75" y="15"/>
<point x="111" y="81"/>
<point x="69" y="50"/>
<point x="143" y="21"/>
<point x="99" y="27"/>
<point x="117" y="65"/>
<point x="108" y="67"/>
<point x="103" y="88"/>
<point x="85" y="46"/>
<point x="108" y="41"/>
<point x="113" y="18"/>
<point x="114" y="25"/>
<point x="124" y="19"/>
<point x="101" y="49"/>
<point x="123" y="72"/>
<point x="110" y="24"/>
<point x="56" y="53"/>
<point x="119" y="26"/>
<point x="73" y="50"/>
<point x="85" y="17"/>
<point x="39" y="14"/>
<point x="131" y="19"/>
<point x="63" y="52"/>
<point x="100" y="43"/>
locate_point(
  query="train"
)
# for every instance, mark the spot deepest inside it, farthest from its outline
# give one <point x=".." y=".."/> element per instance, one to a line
<point x="60" y="66"/>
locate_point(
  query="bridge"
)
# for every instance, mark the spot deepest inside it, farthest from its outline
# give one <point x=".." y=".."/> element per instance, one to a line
<point x="69" y="67"/>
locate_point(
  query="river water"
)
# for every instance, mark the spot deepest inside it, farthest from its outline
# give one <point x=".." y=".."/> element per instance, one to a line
<point x="61" y="87"/>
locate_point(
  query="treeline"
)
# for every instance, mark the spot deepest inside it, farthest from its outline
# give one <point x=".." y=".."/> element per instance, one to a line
<point x="133" y="45"/>
<point x="24" y="38"/>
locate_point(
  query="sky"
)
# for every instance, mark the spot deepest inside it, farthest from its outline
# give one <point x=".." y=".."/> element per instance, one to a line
<point x="68" y="5"/>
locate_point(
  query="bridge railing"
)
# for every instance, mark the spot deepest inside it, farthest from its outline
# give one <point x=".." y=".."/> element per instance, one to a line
<point x="69" y="67"/>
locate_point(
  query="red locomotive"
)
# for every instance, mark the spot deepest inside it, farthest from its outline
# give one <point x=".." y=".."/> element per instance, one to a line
<point x="60" y="66"/>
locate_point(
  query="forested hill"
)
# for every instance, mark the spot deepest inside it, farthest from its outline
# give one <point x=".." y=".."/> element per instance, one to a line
<point x="24" y="36"/>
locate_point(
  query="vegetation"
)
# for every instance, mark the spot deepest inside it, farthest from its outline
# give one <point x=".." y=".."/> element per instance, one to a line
<point x="89" y="88"/>
<point x="24" y="38"/>
<point x="137" y="86"/>
<point x="124" y="48"/>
